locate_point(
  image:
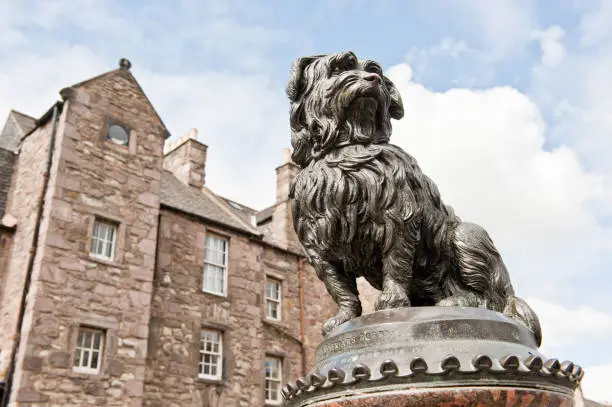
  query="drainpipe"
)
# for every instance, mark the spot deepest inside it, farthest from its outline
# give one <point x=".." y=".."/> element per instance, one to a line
<point x="302" y="336"/>
<point x="6" y="396"/>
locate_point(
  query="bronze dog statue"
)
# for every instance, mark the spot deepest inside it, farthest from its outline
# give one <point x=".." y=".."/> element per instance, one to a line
<point x="362" y="206"/>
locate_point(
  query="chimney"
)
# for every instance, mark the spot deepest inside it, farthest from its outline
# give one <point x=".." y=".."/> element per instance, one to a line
<point x="186" y="159"/>
<point x="285" y="175"/>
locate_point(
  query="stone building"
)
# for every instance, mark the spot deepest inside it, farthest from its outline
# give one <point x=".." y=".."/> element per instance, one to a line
<point x="125" y="281"/>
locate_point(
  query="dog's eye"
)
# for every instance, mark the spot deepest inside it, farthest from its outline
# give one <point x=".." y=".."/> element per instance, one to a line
<point x="374" y="69"/>
<point x="343" y="65"/>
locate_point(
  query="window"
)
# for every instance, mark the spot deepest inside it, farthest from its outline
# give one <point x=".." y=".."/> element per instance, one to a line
<point x="103" y="239"/>
<point x="215" y="265"/>
<point x="211" y="354"/>
<point x="273" y="299"/>
<point x="273" y="380"/>
<point x="88" y="352"/>
<point x="118" y="135"/>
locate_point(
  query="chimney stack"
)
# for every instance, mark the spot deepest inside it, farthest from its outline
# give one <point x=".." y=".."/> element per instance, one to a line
<point x="186" y="159"/>
<point x="285" y="175"/>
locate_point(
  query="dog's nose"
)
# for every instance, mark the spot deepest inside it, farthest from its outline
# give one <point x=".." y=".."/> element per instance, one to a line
<point x="372" y="77"/>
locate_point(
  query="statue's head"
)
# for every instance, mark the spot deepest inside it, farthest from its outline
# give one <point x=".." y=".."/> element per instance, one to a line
<point x="338" y="100"/>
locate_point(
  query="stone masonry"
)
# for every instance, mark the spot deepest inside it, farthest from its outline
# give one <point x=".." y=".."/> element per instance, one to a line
<point x="148" y="300"/>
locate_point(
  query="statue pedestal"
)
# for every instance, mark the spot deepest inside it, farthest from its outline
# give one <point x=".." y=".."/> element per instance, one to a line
<point x="452" y="397"/>
<point x="433" y="356"/>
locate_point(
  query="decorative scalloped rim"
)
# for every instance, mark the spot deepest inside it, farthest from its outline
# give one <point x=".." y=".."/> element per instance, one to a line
<point x="530" y="366"/>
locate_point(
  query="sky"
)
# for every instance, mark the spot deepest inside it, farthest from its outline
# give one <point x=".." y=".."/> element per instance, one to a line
<point x="508" y="109"/>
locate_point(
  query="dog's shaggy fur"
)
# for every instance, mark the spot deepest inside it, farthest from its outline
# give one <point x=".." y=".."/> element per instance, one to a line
<point x="362" y="206"/>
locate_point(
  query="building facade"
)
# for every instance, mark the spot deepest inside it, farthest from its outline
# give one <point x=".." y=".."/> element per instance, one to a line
<point x="125" y="281"/>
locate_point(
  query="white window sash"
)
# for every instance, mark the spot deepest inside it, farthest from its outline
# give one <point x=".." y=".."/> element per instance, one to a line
<point x="203" y="353"/>
<point x="274" y="301"/>
<point x="209" y="282"/>
<point x="87" y="351"/>
<point x="274" y="378"/>
<point x="103" y="239"/>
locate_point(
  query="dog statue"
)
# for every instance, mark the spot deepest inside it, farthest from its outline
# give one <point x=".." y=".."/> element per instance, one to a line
<point x="362" y="206"/>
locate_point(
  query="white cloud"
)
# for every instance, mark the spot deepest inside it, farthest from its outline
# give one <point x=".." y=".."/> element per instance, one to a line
<point x="242" y="118"/>
<point x="569" y="325"/>
<point x="596" y="383"/>
<point x="577" y="93"/>
<point x="31" y="82"/>
<point x="551" y="44"/>
<point x="503" y="26"/>
<point x="434" y="60"/>
<point x="596" y="25"/>
<point x="446" y="47"/>
<point x="485" y="150"/>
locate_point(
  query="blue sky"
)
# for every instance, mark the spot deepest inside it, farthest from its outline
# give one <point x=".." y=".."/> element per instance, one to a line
<point x="508" y="110"/>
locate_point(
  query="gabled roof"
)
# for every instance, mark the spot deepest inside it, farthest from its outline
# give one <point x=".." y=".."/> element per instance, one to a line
<point x="244" y="212"/>
<point x="26" y="123"/>
<point x="202" y="203"/>
<point x="7" y="158"/>
<point x="124" y="69"/>
<point x="15" y="128"/>
<point x="265" y="214"/>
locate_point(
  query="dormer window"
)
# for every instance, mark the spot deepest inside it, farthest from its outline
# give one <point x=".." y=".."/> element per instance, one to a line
<point x="118" y="134"/>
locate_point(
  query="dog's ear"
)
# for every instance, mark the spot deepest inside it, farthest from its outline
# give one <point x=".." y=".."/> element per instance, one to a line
<point x="396" y="109"/>
<point x="294" y="87"/>
<point x="302" y="147"/>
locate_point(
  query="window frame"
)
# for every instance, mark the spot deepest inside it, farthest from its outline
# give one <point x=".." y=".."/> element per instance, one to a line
<point x="219" y="355"/>
<point x="107" y="223"/>
<point x="278" y="380"/>
<point x="79" y="348"/>
<point x="125" y="128"/>
<point x="278" y="301"/>
<point x="223" y="266"/>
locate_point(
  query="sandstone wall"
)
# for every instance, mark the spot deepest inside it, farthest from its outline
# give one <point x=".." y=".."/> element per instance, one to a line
<point x="22" y="204"/>
<point x="6" y="244"/>
<point x="70" y="288"/>
<point x="181" y="309"/>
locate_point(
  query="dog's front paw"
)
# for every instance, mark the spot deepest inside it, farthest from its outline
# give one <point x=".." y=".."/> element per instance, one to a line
<point x="341" y="317"/>
<point x="395" y="298"/>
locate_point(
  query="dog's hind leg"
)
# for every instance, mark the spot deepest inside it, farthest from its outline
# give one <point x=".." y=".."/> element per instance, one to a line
<point x="479" y="267"/>
<point x="342" y="288"/>
<point x="484" y="280"/>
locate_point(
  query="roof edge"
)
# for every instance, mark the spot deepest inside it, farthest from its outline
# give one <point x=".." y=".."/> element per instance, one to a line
<point x="212" y="221"/>
<point x="258" y="237"/>
<point x="44" y="118"/>
<point x="14" y="112"/>
<point x="123" y="69"/>
<point x="225" y="206"/>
